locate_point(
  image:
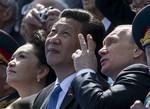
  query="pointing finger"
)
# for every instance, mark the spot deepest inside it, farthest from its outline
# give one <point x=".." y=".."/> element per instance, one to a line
<point x="83" y="44"/>
<point x="91" y="44"/>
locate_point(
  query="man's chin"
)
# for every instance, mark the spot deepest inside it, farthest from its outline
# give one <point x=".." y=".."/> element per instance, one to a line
<point x="104" y="71"/>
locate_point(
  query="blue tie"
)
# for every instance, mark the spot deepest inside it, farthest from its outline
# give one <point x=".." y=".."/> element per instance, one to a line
<point x="54" y="98"/>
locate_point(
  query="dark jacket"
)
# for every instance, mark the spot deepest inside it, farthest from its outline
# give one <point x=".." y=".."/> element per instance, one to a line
<point x="133" y="83"/>
<point x="69" y="101"/>
<point x="117" y="11"/>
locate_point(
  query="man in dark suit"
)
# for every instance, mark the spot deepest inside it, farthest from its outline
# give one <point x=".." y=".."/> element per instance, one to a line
<point x="122" y="60"/>
<point x="61" y="42"/>
<point x="120" y="11"/>
<point x="117" y="11"/>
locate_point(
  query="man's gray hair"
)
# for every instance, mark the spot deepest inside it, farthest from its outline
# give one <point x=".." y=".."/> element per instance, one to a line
<point x="10" y="3"/>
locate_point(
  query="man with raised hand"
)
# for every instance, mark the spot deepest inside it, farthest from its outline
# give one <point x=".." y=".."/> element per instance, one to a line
<point x="122" y="60"/>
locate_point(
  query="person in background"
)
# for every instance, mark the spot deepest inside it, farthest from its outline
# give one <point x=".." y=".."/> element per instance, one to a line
<point x="137" y="5"/>
<point x="91" y="7"/>
<point x="21" y="4"/>
<point x="7" y="47"/>
<point x="73" y="3"/>
<point x="118" y="12"/>
<point x="29" y="64"/>
<point x="8" y="19"/>
<point x="141" y="35"/>
<point x="122" y="60"/>
<point x="61" y="42"/>
<point x="41" y="14"/>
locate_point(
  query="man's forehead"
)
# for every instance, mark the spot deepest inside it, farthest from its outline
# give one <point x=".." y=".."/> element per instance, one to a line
<point x="62" y="22"/>
<point x="119" y="32"/>
<point x="67" y="21"/>
<point x="116" y="31"/>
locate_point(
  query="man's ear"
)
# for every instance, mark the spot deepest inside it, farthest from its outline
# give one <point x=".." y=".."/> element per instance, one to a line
<point x="42" y="73"/>
<point x="137" y="52"/>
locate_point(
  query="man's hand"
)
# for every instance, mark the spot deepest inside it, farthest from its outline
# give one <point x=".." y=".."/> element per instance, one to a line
<point x="85" y="58"/>
<point x="52" y="17"/>
<point x="31" y="21"/>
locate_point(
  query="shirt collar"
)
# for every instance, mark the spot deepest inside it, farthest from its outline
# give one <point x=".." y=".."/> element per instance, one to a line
<point x="65" y="84"/>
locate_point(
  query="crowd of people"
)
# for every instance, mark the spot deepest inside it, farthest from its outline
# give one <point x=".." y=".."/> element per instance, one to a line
<point x="75" y="54"/>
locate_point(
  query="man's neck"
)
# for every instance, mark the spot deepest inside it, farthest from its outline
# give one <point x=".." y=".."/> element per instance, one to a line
<point x="61" y="75"/>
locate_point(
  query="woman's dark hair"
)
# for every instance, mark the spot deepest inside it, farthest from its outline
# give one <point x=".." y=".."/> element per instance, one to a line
<point x="38" y="40"/>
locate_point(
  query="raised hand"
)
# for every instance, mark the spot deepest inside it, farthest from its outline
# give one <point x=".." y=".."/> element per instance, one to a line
<point x="52" y="17"/>
<point x="85" y="57"/>
<point x="31" y="22"/>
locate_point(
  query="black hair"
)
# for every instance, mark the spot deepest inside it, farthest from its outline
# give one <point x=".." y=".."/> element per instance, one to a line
<point x="38" y="40"/>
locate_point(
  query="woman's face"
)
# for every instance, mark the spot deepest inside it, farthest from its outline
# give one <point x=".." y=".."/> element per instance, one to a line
<point x="23" y="67"/>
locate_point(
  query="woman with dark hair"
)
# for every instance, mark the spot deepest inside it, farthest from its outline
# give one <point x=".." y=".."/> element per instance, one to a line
<point x="28" y="71"/>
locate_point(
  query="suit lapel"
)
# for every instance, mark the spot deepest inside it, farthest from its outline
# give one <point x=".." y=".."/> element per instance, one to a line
<point x="49" y="92"/>
<point x="44" y="97"/>
<point x="67" y="100"/>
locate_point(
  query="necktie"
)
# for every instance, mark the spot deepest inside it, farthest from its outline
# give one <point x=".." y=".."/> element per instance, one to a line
<point x="54" y="98"/>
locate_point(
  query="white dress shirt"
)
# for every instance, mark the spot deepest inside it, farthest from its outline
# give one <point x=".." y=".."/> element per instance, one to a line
<point x="65" y="84"/>
<point x="106" y="23"/>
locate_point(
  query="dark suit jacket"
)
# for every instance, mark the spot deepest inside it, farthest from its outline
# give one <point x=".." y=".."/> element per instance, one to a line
<point x="117" y="11"/>
<point x="42" y="99"/>
<point x="69" y="101"/>
<point x="133" y="83"/>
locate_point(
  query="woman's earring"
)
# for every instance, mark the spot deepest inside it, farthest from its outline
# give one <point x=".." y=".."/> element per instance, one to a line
<point x="38" y="80"/>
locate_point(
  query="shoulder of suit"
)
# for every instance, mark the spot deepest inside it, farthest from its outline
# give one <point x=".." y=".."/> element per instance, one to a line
<point x="134" y="69"/>
<point x="137" y="66"/>
<point x="49" y="87"/>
